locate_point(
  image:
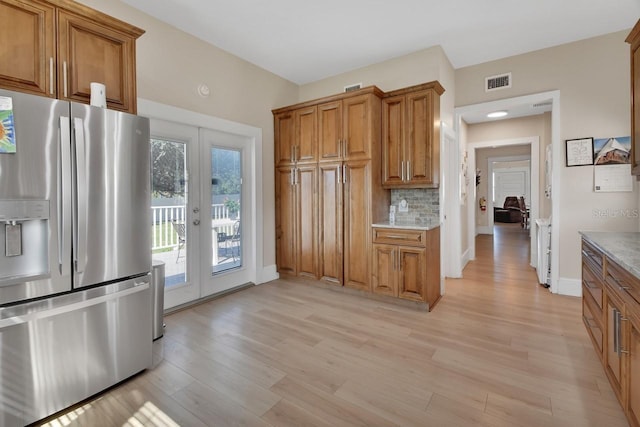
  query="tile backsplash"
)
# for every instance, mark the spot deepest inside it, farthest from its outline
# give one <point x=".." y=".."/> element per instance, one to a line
<point x="424" y="204"/>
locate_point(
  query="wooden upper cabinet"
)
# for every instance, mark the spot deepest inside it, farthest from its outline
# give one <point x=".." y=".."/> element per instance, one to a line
<point x="422" y="150"/>
<point x="411" y="137"/>
<point x="634" y="40"/>
<point x="393" y="116"/>
<point x="56" y="48"/>
<point x="330" y="131"/>
<point x="284" y="128"/>
<point x="93" y="50"/>
<point x="27" y="47"/>
<point x="306" y="135"/>
<point x="357" y="126"/>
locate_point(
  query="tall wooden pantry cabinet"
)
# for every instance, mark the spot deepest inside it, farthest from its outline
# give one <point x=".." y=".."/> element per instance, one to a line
<point x="328" y="187"/>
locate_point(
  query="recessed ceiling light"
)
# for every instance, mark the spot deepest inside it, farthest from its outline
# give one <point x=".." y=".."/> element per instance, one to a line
<point x="497" y="114"/>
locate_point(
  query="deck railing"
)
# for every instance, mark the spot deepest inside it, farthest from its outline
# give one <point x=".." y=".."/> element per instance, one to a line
<point x="164" y="236"/>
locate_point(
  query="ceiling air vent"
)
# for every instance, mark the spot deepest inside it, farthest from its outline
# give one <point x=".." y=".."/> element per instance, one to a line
<point x="353" y="87"/>
<point x="502" y="81"/>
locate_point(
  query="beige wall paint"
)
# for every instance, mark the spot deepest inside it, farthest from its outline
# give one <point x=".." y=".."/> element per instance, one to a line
<point x="170" y="66"/>
<point x="419" y="67"/>
<point x="593" y="79"/>
<point x="539" y="125"/>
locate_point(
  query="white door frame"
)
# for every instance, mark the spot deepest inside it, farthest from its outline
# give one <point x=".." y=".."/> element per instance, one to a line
<point x="558" y="157"/>
<point x="451" y="265"/>
<point x="165" y="112"/>
<point x="534" y="154"/>
<point x="491" y="169"/>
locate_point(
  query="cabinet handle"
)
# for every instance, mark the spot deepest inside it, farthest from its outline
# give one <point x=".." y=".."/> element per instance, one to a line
<point x="402" y="170"/>
<point x="51" y="75"/>
<point x="620" y="284"/>
<point x="344" y="174"/>
<point x="394" y="236"/>
<point x="291" y="155"/>
<point x="408" y="170"/>
<point x="296" y="152"/>
<point x="64" y="77"/>
<point x="291" y="177"/>
<point x="345" y="143"/>
<point x="616" y="332"/>
<point x="339" y="147"/>
<point x="339" y="177"/>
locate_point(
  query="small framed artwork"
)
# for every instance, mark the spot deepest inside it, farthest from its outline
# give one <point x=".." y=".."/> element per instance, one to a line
<point x="579" y="152"/>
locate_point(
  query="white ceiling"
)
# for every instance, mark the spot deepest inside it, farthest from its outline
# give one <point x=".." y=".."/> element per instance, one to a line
<point x="305" y="41"/>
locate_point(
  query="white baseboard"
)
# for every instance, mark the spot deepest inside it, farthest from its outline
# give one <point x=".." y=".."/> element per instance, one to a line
<point x="269" y="273"/>
<point x="484" y="229"/>
<point x="466" y="257"/>
<point x="570" y="287"/>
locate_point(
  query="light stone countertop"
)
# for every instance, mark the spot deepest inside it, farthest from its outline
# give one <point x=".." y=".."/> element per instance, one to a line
<point x="622" y="247"/>
<point x="424" y="225"/>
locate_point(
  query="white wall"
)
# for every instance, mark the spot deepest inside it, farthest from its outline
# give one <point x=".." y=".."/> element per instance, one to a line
<point x="593" y="79"/>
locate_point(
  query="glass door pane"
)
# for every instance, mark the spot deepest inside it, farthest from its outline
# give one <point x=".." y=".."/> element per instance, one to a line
<point x="226" y="197"/>
<point x="169" y="195"/>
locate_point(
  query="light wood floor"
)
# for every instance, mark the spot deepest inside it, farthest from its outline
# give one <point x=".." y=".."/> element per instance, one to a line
<point x="498" y="350"/>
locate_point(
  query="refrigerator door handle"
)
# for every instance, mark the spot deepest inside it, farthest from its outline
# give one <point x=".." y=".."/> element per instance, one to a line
<point x="64" y="184"/>
<point x="80" y="185"/>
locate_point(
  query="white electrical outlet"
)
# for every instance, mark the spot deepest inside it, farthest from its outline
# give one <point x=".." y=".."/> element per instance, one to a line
<point x="403" y="206"/>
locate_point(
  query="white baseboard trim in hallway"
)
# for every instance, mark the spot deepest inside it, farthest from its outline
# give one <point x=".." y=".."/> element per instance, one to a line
<point x="570" y="287"/>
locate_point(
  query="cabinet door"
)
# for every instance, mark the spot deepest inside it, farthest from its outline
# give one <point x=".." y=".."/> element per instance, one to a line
<point x="284" y="128"/>
<point x="421" y="151"/>
<point x="27" y="50"/>
<point x="91" y="52"/>
<point x="330" y="131"/>
<point x="357" y="127"/>
<point x="634" y="371"/>
<point x="384" y="262"/>
<point x="357" y="224"/>
<point x="330" y="208"/>
<point x="412" y="274"/>
<point x="305" y="140"/>
<point x="613" y="343"/>
<point x="307" y="221"/>
<point x="393" y="115"/>
<point x="285" y="220"/>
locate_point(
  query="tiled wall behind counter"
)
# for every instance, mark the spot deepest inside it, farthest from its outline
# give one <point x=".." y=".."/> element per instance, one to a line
<point x="424" y="204"/>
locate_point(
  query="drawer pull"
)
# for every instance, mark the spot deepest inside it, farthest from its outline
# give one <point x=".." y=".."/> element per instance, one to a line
<point x="394" y="236"/>
<point x="620" y="284"/>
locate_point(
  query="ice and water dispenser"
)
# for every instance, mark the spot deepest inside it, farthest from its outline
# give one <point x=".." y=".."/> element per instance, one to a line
<point x="24" y="237"/>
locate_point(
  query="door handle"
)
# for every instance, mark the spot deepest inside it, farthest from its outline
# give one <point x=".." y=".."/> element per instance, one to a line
<point x="196" y="210"/>
<point x="64" y="77"/>
<point x="64" y="197"/>
<point x="81" y="212"/>
<point x="196" y="222"/>
<point x="51" y="75"/>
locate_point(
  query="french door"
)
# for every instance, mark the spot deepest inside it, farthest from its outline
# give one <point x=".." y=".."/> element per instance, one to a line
<point x="202" y="213"/>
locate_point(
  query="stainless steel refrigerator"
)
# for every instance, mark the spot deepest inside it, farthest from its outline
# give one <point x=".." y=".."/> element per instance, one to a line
<point x="75" y="239"/>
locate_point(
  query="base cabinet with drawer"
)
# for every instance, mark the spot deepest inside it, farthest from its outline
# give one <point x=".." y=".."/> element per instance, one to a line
<point x="611" y="314"/>
<point x="406" y="264"/>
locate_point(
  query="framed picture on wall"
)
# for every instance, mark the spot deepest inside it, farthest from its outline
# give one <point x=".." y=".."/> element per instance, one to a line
<point x="579" y="152"/>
